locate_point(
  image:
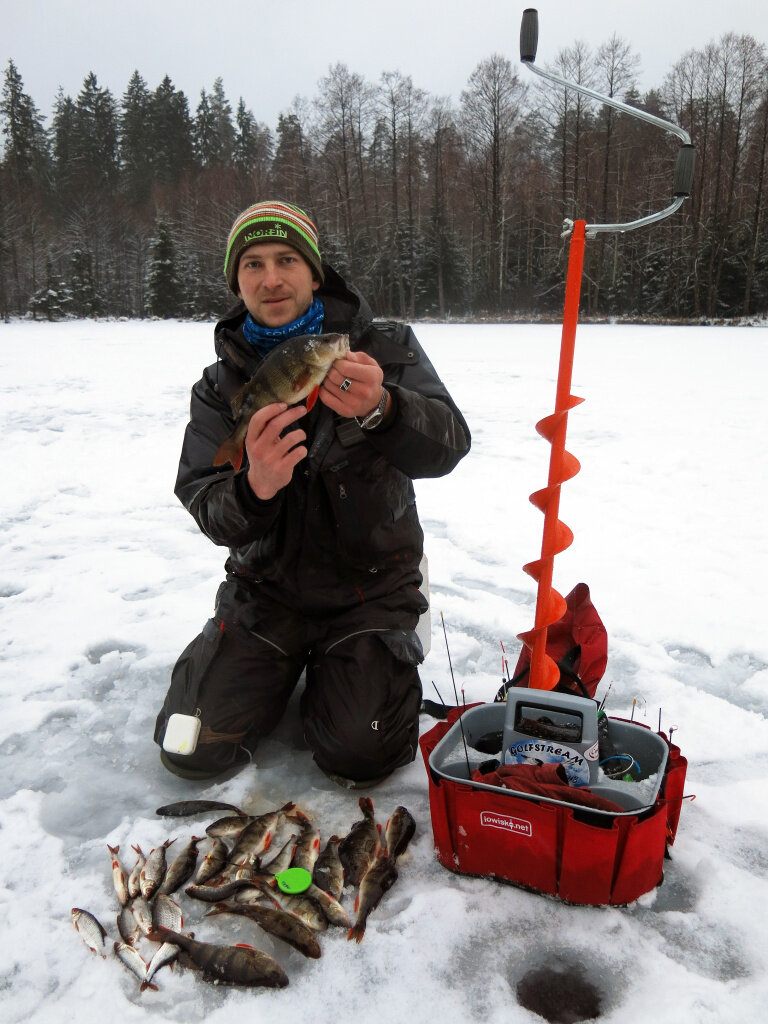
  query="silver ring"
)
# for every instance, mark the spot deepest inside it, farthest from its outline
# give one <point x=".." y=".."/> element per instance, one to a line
<point x="345" y="385"/>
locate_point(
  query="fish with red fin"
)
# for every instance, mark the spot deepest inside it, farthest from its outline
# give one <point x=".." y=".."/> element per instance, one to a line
<point x="380" y="877"/>
<point x="361" y="846"/>
<point x="399" y="832"/>
<point x="229" y="965"/>
<point x="292" y="371"/>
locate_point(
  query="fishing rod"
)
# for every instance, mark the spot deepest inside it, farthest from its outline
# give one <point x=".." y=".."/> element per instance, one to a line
<point x="456" y="693"/>
<point x="429" y="707"/>
<point x="563" y="466"/>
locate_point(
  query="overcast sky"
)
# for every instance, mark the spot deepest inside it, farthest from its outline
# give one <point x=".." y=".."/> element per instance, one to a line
<point x="270" y="53"/>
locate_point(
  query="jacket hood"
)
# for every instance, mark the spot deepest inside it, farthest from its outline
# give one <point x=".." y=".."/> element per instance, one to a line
<point x="346" y="311"/>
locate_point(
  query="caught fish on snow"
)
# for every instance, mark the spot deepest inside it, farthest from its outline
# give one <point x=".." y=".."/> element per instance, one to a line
<point x="233" y="965"/>
<point x="399" y="832"/>
<point x="328" y="873"/>
<point x="229" y="827"/>
<point x="257" y="836"/>
<point x="128" y="926"/>
<point x="308" y="847"/>
<point x="308" y="910"/>
<point x="181" y="869"/>
<point x="189" y="808"/>
<point x="118" y="876"/>
<point x="213" y="862"/>
<point x="361" y="846"/>
<point x="91" y="931"/>
<point x="280" y="923"/>
<point x="216" y="892"/>
<point x="165" y="953"/>
<point x="236" y="882"/>
<point x="134" y="883"/>
<point x="292" y="371"/>
<point x="135" y="963"/>
<point x="380" y="877"/>
<point x="282" y="861"/>
<point x="153" y="872"/>
<point x="166" y="913"/>
<point x="331" y="907"/>
<point x="143" y="914"/>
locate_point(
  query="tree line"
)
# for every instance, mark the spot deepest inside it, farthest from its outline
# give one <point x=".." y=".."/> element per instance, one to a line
<point x="434" y="208"/>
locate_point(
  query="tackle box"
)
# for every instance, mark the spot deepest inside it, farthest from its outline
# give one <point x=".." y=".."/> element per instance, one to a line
<point x="541" y="727"/>
<point x="575" y="852"/>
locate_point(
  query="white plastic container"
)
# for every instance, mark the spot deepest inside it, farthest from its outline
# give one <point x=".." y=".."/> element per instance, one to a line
<point x="542" y="727"/>
<point x="492" y="726"/>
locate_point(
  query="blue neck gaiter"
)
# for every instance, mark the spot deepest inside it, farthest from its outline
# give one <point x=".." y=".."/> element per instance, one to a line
<point x="264" y="339"/>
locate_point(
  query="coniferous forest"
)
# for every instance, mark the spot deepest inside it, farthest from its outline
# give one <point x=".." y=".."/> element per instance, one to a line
<point x="120" y="206"/>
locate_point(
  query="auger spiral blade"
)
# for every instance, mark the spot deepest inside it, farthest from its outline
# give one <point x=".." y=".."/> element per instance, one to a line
<point x="563" y="466"/>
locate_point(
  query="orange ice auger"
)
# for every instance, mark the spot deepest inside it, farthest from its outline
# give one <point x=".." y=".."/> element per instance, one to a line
<point x="550" y="605"/>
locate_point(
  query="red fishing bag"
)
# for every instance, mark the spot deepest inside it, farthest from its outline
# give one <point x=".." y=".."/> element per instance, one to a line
<point x="578" y="854"/>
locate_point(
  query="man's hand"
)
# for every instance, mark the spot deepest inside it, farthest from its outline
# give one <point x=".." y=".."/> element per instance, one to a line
<point x="363" y="393"/>
<point x="271" y="457"/>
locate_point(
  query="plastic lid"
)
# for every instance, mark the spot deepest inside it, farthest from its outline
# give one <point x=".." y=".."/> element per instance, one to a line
<point x="294" y="880"/>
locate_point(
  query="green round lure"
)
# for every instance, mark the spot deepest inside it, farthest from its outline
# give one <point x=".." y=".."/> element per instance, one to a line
<point x="293" y="880"/>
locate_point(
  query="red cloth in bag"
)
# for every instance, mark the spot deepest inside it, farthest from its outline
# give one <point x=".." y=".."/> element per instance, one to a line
<point x="545" y="780"/>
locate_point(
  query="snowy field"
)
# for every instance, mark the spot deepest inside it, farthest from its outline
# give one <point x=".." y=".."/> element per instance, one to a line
<point x="104" y="578"/>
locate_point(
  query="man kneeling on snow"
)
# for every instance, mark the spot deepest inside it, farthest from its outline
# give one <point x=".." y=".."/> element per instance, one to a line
<point x="320" y="521"/>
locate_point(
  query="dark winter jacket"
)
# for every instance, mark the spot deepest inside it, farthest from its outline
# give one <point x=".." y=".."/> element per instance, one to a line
<point x="345" y="529"/>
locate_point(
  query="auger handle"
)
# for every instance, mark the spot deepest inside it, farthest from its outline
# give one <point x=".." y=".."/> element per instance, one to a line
<point x="686" y="157"/>
<point x="529" y="35"/>
<point x="684" y="168"/>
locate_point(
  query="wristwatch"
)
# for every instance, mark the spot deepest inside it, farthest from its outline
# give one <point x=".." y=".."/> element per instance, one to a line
<point x="374" y="418"/>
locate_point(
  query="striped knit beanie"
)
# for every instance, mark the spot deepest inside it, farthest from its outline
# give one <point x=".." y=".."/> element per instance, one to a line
<point x="272" y="222"/>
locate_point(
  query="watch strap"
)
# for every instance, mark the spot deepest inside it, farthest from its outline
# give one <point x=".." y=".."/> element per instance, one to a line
<point x="374" y="418"/>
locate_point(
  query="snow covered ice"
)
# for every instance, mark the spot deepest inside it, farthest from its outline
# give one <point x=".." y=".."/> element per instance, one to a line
<point x="104" y="578"/>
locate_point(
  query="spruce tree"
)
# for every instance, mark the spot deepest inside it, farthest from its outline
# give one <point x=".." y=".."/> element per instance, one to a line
<point x="164" y="294"/>
<point x="224" y="132"/>
<point x="202" y="131"/>
<point x="252" y="155"/>
<point x="24" y="184"/>
<point x="170" y="134"/>
<point x="291" y="163"/>
<point x="85" y="301"/>
<point x="62" y="132"/>
<point x="25" y="146"/>
<point x="53" y="301"/>
<point x="246" y="139"/>
<point x="93" y="151"/>
<point x="214" y="134"/>
<point x="135" y="153"/>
